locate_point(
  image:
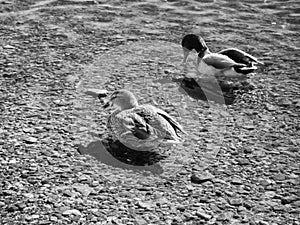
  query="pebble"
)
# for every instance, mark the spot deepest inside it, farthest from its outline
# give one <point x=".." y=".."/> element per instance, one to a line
<point x="249" y="127"/>
<point x="30" y="140"/>
<point x="12" y="208"/>
<point x="235" y="201"/>
<point x="270" y="194"/>
<point x="237" y="181"/>
<point x="59" y="102"/>
<point x="97" y="93"/>
<point x="85" y="190"/>
<point x="261" y="222"/>
<point x="72" y="212"/>
<point x="35" y="217"/>
<point x="289" y="199"/>
<point x="201" y="178"/>
<point x="8" y="47"/>
<point x="285" y="102"/>
<point x="28" y="130"/>
<point x="243" y="162"/>
<point x="203" y="215"/>
<point x="145" y="205"/>
<point x="270" y="107"/>
<point x="241" y="209"/>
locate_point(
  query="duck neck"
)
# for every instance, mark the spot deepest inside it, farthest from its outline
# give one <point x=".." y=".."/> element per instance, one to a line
<point x="205" y="51"/>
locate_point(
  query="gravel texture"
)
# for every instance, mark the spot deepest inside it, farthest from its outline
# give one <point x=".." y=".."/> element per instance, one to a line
<point x="239" y="163"/>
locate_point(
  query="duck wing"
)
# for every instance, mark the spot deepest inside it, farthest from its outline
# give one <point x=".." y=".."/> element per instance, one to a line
<point x="162" y="123"/>
<point x="239" y="56"/>
<point x="176" y="126"/>
<point x="136" y="125"/>
<point x="220" y="61"/>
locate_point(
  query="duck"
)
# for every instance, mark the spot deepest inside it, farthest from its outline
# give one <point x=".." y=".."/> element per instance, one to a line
<point x="189" y="43"/>
<point x="140" y="127"/>
<point x="230" y="62"/>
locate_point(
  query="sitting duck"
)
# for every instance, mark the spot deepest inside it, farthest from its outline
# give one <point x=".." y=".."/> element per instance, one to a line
<point x="140" y="127"/>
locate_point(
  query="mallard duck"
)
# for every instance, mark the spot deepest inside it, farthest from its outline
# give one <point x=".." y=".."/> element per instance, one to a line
<point x="230" y="62"/>
<point x="190" y="42"/>
<point x="140" y="127"/>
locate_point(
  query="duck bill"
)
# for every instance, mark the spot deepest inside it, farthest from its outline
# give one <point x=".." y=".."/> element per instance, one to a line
<point x="198" y="61"/>
<point x="185" y="54"/>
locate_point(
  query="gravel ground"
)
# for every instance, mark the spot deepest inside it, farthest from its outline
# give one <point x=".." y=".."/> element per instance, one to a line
<point x="239" y="163"/>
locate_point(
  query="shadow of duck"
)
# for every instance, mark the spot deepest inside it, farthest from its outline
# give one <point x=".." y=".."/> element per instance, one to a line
<point x="114" y="153"/>
<point x="206" y="90"/>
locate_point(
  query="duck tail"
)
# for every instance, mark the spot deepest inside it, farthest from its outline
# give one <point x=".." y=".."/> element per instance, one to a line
<point x="244" y="69"/>
<point x="173" y="141"/>
<point x="248" y="68"/>
<point x="260" y="63"/>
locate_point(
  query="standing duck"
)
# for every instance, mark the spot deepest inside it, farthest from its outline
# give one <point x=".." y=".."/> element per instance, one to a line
<point x="230" y="62"/>
<point x="140" y="127"/>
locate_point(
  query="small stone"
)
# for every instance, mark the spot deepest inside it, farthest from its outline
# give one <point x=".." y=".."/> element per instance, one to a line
<point x="264" y="182"/>
<point x="229" y="193"/>
<point x="249" y="127"/>
<point x="21" y="206"/>
<point x="243" y="162"/>
<point x="72" y="212"/>
<point x="96" y="93"/>
<point x="261" y="222"/>
<point x="201" y="178"/>
<point x="30" y="140"/>
<point x="8" y="192"/>
<point x="248" y="204"/>
<point x="203" y="215"/>
<point x="190" y="187"/>
<point x="296" y="204"/>
<point x="28" y="130"/>
<point x="289" y="199"/>
<point x="67" y="193"/>
<point x="145" y="205"/>
<point x="12" y="208"/>
<point x="53" y="218"/>
<point x="34" y="217"/>
<point x="270" y="107"/>
<point x="8" y="47"/>
<point x="237" y="181"/>
<point x="285" y="102"/>
<point x="270" y="194"/>
<point x="59" y="102"/>
<point x="85" y="190"/>
<point x="235" y="201"/>
<point x="248" y="150"/>
<point x="241" y="209"/>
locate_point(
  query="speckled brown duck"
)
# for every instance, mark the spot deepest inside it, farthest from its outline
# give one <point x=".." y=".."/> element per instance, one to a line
<point x="140" y="127"/>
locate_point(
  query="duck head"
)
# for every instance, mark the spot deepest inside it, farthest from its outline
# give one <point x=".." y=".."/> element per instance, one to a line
<point x="192" y="41"/>
<point x="121" y="100"/>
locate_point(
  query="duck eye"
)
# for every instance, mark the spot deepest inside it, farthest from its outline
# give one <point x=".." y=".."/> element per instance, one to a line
<point x="114" y="95"/>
